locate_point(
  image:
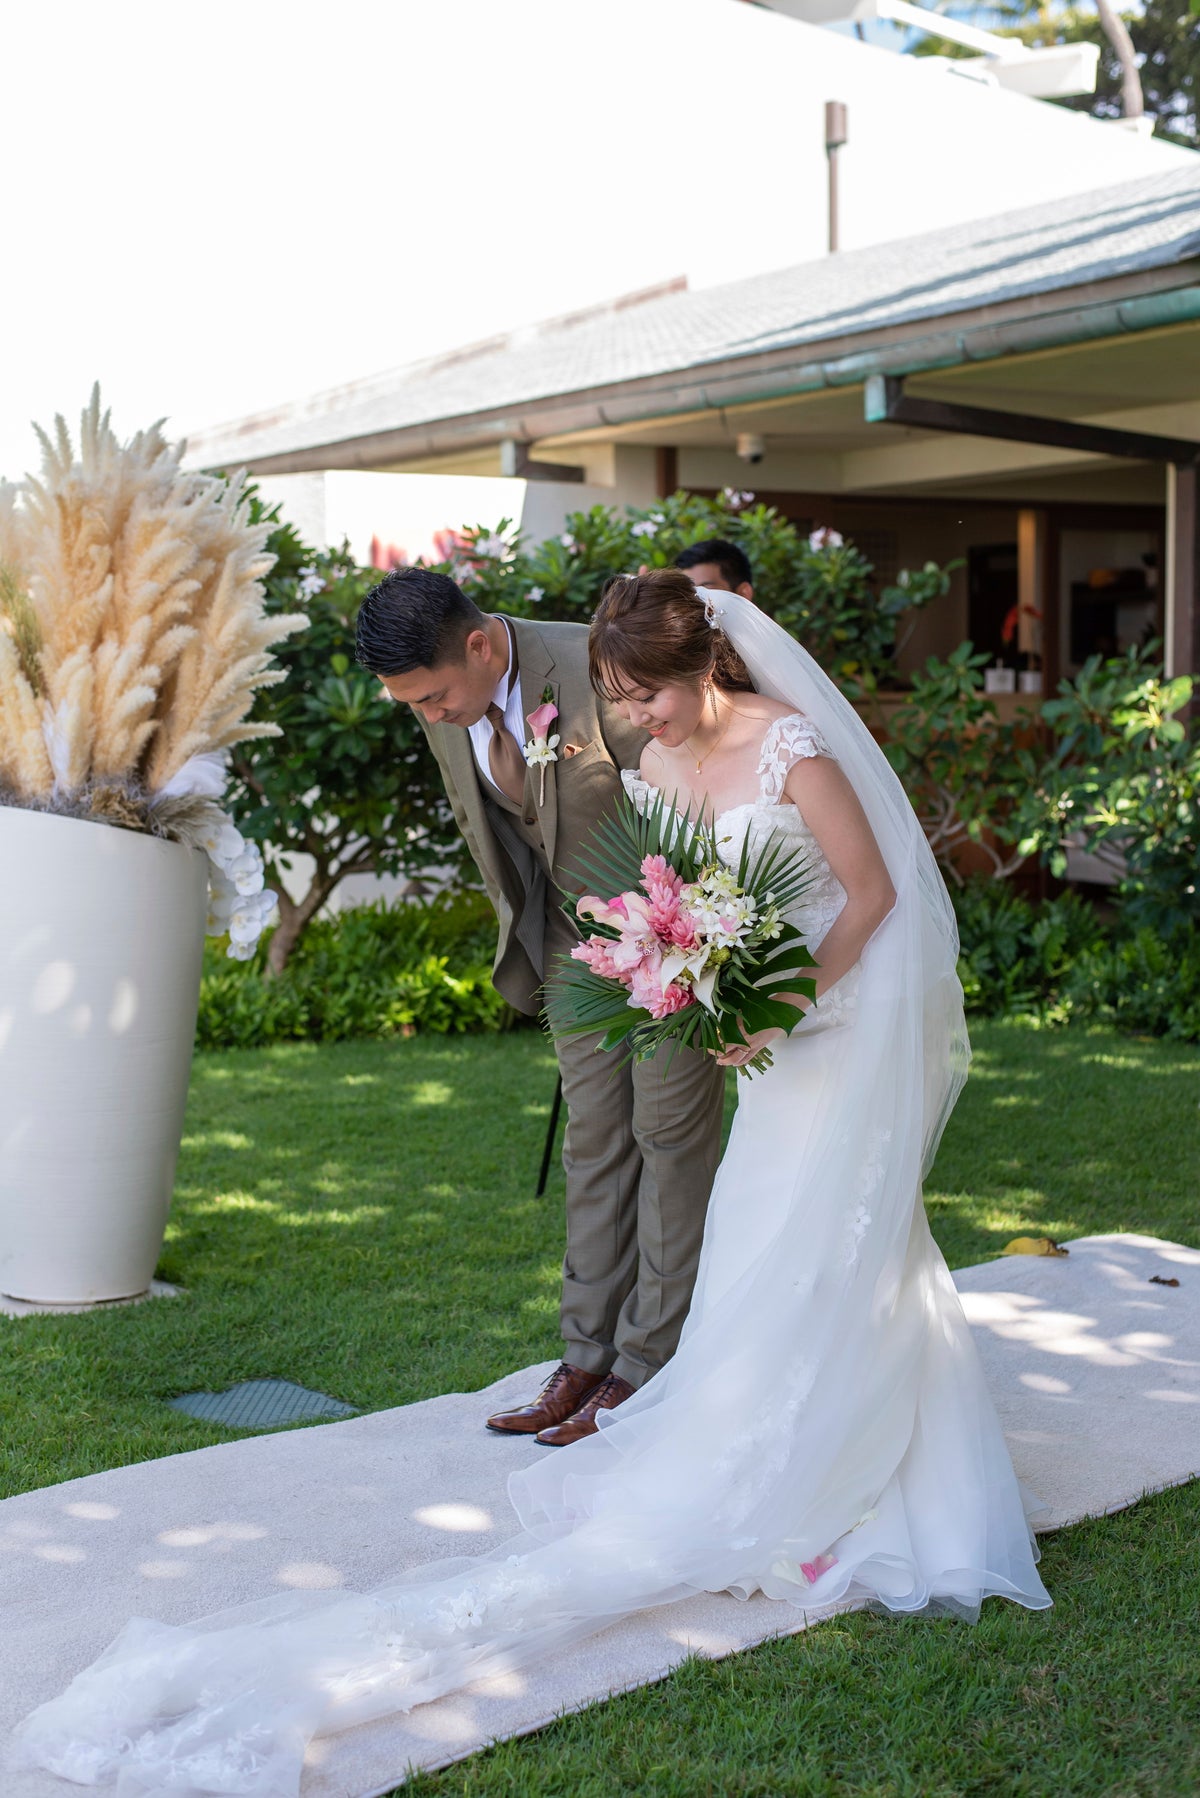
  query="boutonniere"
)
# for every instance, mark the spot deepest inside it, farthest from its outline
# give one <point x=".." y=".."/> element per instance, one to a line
<point x="541" y="747"/>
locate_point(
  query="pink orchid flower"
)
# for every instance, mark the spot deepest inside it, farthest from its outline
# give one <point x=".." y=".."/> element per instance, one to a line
<point x="628" y="913"/>
<point x="541" y="719"/>
<point x="650" y="992"/>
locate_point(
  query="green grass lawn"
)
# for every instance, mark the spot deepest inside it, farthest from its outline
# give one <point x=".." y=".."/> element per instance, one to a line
<point x="360" y="1218"/>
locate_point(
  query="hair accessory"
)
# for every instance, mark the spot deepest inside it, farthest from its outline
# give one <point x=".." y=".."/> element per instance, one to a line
<point x="714" y="611"/>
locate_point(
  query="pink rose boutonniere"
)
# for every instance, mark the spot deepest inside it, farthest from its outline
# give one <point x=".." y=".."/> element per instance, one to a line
<point x="542" y="747"/>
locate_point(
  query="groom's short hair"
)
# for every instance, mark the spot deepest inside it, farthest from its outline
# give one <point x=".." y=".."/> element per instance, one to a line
<point x="414" y="618"/>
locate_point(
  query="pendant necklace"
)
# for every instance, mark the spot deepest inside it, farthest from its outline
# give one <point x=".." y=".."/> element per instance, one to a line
<point x="701" y="759"/>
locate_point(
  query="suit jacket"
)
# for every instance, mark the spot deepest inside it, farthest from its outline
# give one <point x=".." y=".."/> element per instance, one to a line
<point x="579" y="788"/>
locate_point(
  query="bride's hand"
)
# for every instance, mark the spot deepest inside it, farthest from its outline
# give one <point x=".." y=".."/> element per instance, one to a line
<point x="738" y="1054"/>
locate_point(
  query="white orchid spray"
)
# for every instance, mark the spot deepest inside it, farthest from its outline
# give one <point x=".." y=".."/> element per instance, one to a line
<point x="133" y="639"/>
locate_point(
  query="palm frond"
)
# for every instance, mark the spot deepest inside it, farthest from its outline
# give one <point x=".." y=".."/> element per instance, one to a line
<point x="776" y="868"/>
<point x="580" y="1002"/>
<point x="611" y="860"/>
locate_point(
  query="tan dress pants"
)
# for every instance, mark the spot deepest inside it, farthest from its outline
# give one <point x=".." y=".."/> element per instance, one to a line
<point x="642" y="1146"/>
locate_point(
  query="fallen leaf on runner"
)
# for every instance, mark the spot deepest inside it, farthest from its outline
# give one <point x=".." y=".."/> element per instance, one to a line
<point x="1034" y="1245"/>
<point x="1157" y="1280"/>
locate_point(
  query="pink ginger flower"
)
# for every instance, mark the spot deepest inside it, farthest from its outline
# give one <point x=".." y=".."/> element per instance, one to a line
<point x="596" y="953"/>
<point x="668" y="918"/>
<point x="657" y="868"/>
<point x="670" y="999"/>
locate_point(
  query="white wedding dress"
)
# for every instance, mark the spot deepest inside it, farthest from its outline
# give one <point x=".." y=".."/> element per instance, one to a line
<point x="823" y="1434"/>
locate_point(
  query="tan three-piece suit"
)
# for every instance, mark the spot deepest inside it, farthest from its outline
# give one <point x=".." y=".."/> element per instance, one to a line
<point x="641" y="1144"/>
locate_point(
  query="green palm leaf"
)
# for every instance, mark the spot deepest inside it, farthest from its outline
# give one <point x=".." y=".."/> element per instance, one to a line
<point x="610" y="862"/>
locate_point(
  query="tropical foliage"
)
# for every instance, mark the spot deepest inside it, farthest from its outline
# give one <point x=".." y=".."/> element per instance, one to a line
<point x="817" y="585"/>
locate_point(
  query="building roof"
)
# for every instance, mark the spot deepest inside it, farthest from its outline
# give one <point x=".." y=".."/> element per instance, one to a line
<point x="1137" y="228"/>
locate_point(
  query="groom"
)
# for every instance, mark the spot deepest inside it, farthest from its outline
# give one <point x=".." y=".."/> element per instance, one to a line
<point x="641" y="1143"/>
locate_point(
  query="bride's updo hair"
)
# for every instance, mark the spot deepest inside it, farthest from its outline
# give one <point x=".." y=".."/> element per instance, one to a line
<point x="651" y="629"/>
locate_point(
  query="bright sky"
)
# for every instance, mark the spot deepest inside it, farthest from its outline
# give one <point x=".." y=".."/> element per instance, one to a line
<point x="219" y="207"/>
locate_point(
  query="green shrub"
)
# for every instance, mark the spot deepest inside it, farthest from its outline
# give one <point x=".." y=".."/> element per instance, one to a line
<point x="1144" y="983"/>
<point x="1055" y="959"/>
<point x="375" y="970"/>
<point x="1016" y="952"/>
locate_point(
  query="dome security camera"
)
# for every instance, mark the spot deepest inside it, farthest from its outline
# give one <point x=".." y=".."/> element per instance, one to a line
<point x="750" y="447"/>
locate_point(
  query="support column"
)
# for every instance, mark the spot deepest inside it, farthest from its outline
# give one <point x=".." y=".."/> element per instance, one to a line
<point x="1181" y="647"/>
<point x="1035" y="635"/>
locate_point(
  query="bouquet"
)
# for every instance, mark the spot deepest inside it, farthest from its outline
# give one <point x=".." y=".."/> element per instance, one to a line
<point x="688" y="950"/>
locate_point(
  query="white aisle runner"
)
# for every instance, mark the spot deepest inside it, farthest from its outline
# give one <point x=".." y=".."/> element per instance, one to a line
<point x="1095" y="1369"/>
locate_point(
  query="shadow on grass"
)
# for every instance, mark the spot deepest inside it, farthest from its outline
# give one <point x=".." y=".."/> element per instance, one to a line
<point x="1068" y="1133"/>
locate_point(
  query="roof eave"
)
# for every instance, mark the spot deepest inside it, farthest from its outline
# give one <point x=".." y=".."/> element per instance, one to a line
<point x="1131" y="304"/>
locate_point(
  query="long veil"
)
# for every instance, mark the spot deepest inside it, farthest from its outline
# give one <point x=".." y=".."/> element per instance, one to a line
<point x="822" y="1435"/>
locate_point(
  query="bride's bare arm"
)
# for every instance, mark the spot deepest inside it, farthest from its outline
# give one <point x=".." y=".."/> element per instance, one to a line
<point x="829" y="806"/>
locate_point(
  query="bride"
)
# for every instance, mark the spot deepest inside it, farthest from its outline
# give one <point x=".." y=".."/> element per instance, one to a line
<point x="823" y="1434"/>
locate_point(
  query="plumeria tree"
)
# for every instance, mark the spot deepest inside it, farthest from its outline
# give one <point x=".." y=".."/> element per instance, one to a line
<point x="350" y="783"/>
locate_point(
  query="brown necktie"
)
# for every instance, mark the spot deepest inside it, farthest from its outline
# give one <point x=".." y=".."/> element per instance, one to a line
<point x="506" y="764"/>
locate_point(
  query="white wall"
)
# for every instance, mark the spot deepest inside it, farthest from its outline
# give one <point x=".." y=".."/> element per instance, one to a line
<point x="401" y="509"/>
<point x="926" y="148"/>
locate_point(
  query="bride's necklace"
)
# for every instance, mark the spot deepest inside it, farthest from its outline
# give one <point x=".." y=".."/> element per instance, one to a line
<point x="701" y="759"/>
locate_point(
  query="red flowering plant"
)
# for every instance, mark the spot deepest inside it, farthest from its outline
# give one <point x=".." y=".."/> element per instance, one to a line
<point x="686" y="950"/>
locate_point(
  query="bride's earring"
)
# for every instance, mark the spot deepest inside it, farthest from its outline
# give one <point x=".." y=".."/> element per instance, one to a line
<point x="712" y="700"/>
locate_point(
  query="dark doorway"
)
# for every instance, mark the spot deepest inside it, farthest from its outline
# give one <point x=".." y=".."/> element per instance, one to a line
<point x="991" y="600"/>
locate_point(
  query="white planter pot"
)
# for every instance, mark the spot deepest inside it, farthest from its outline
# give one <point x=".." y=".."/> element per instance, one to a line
<point x="101" y="940"/>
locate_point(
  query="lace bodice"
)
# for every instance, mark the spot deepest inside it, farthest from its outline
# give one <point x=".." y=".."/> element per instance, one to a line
<point x="788" y="740"/>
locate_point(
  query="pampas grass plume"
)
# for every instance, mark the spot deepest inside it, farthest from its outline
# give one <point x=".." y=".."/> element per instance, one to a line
<point x="133" y="634"/>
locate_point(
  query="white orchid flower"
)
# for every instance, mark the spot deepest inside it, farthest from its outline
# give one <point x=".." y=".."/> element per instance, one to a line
<point x="246" y="870"/>
<point x="238" y="903"/>
<point x="223" y="842"/>
<point x="694" y="964"/>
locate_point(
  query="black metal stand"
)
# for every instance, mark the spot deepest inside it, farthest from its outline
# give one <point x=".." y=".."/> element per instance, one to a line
<point x="551" y="1133"/>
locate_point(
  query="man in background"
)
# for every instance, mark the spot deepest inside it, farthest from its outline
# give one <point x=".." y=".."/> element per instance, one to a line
<point x="715" y="562"/>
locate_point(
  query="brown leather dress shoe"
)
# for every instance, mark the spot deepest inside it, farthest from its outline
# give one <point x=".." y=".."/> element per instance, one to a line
<point x="611" y="1392"/>
<point x="559" y="1399"/>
